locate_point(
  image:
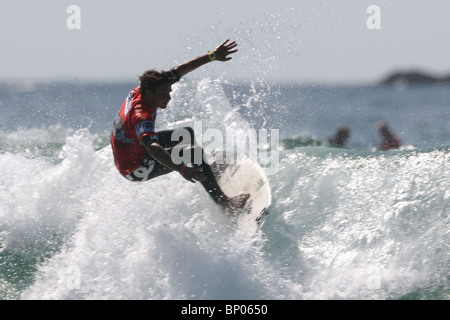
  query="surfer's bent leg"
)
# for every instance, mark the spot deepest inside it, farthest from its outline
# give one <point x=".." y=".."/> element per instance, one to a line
<point x="210" y="184"/>
<point x="150" y="168"/>
<point x="196" y="159"/>
<point x="166" y="139"/>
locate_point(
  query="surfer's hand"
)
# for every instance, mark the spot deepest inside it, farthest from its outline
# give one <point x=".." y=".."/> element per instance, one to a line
<point x="193" y="174"/>
<point x="224" y="50"/>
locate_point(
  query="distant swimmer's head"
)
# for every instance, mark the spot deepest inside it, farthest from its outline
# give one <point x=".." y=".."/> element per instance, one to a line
<point x="343" y="133"/>
<point x="383" y="129"/>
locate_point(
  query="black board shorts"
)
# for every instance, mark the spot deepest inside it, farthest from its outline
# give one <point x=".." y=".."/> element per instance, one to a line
<point x="150" y="168"/>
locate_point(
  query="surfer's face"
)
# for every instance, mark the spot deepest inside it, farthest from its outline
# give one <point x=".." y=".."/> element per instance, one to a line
<point x="161" y="97"/>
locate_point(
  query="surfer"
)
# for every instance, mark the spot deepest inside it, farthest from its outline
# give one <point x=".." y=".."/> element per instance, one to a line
<point x="389" y="140"/>
<point x="141" y="153"/>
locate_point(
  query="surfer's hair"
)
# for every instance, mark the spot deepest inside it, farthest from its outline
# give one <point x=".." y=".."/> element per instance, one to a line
<point x="152" y="80"/>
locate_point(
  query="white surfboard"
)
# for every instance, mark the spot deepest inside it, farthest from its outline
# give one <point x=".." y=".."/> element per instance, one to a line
<point x="246" y="176"/>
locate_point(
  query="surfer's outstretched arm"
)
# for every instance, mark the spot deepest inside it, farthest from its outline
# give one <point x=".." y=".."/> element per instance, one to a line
<point x="221" y="53"/>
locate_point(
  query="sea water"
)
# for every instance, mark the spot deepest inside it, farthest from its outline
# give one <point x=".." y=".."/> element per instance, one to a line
<point x="344" y="223"/>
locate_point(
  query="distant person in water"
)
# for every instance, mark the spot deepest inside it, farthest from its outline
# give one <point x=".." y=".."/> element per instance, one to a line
<point x="341" y="137"/>
<point x="389" y="140"/>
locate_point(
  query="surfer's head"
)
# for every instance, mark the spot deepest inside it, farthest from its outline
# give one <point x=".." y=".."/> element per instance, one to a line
<point x="155" y="88"/>
<point x="152" y="80"/>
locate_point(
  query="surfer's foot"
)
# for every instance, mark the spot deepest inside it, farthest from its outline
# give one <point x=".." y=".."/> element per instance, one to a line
<point x="232" y="205"/>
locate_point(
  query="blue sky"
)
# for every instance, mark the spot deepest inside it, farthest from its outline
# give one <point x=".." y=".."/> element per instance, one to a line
<point x="295" y="40"/>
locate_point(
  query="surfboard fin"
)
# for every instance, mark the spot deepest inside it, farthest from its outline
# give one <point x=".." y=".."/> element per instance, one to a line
<point x="261" y="218"/>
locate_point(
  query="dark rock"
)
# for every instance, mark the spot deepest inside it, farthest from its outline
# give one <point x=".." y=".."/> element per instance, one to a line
<point x="414" y="78"/>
